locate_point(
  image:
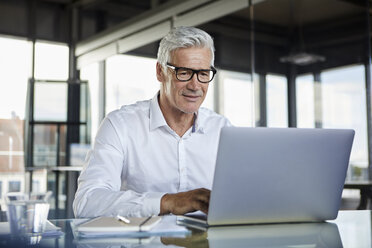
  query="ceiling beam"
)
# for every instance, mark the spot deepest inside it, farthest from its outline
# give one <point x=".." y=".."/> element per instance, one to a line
<point x="151" y="17"/>
<point x="210" y="12"/>
<point x="153" y="25"/>
<point x="118" y="10"/>
<point x="86" y="3"/>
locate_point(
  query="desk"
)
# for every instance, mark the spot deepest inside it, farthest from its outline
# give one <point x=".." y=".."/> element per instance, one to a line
<point x="365" y="187"/>
<point x="350" y="229"/>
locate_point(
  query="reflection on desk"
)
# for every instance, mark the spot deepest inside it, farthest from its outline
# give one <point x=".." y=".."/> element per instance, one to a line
<point x="275" y="235"/>
<point x="350" y="229"/>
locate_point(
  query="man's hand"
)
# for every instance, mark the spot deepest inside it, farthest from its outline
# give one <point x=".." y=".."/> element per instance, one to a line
<point x="185" y="202"/>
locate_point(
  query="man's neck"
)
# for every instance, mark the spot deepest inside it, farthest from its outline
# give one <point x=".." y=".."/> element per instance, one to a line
<point x="177" y="120"/>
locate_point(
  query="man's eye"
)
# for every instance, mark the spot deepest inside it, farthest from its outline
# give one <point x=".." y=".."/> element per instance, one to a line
<point x="204" y="73"/>
<point x="183" y="73"/>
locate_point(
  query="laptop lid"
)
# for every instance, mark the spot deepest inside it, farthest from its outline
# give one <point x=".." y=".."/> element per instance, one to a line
<point x="271" y="175"/>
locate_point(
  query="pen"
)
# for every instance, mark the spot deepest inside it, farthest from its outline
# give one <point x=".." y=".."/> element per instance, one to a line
<point x="144" y="222"/>
<point x="123" y="219"/>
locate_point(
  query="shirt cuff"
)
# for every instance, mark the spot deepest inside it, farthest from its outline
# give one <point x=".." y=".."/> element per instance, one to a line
<point x="151" y="203"/>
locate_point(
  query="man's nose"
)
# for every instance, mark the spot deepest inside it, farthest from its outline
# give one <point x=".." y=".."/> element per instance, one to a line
<point x="194" y="82"/>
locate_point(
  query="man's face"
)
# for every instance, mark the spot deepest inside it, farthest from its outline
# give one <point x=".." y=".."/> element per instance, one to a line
<point x="185" y="96"/>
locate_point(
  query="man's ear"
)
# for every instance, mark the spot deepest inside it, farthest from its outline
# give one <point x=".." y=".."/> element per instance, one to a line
<point x="160" y="73"/>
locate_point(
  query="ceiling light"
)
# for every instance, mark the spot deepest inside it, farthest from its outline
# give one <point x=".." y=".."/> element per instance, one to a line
<point x="302" y="59"/>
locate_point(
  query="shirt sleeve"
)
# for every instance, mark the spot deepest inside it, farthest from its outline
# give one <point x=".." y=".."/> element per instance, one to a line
<point x="99" y="185"/>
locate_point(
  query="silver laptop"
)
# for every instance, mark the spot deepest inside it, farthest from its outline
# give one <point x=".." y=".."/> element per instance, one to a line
<point x="277" y="175"/>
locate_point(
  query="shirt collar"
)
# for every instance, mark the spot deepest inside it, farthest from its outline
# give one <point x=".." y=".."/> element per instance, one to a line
<point x="157" y="118"/>
<point x="198" y="125"/>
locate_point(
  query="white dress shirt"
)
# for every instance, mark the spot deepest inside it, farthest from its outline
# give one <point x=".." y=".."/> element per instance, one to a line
<point x="137" y="158"/>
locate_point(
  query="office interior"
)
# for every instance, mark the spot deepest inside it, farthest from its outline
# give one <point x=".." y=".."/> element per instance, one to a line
<point x="65" y="64"/>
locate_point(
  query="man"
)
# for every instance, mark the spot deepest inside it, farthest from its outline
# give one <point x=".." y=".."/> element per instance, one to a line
<point x="157" y="157"/>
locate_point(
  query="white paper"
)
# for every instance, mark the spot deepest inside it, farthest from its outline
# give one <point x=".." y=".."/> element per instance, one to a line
<point x="167" y="226"/>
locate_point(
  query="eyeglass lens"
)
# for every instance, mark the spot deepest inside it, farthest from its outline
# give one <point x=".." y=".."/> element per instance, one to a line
<point x="185" y="74"/>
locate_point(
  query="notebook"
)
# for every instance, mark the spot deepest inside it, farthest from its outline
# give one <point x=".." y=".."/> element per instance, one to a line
<point x="101" y="231"/>
<point x="277" y="175"/>
<point x="112" y="224"/>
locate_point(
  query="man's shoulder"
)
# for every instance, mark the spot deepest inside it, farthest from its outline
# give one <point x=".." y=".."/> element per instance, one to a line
<point x="212" y="117"/>
<point x="137" y="109"/>
<point x="208" y="113"/>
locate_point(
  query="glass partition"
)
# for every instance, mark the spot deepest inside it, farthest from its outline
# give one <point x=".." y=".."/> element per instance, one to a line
<point x="237" y="97"/>
<point x="277" y="101"/>
<point x="51" y="61"/>
<point x="129" y="79"/>
<point x="318" y="51"/>
<point x="50" y="102"/>
<point x="305" y="101"/>
<point x="15" y="67"/>
<point x="344" y="106"/>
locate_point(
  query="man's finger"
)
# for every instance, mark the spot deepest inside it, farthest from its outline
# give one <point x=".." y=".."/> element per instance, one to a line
<point x="203" y="195"/>
<point x="204" y="207"/>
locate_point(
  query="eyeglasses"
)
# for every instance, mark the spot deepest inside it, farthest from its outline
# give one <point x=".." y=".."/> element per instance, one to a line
<point x="184" y="74"/>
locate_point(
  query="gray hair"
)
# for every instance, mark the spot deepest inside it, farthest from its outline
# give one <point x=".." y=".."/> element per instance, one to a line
<point x="183" y="37"/>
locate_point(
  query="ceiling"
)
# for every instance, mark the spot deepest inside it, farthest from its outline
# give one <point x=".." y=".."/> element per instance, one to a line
<point x="280" y="26"/>
<point x="98" y="15"/>
<point x="303" y="12"/>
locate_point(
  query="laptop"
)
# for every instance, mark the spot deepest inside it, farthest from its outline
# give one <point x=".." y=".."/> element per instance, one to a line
<point x="277" y="175"/>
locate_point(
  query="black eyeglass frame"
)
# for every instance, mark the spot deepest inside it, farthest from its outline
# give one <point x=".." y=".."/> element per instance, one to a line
<point x="176" y="68"/>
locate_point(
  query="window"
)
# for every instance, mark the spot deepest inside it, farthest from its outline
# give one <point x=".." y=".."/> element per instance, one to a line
<point x="35" y="185"/>
<point x="91" y="74"/>
<point x="50" y="101"/>
<point x="277" y="103"/>
<point x="344" y="106"/>
<point x="209" y="99"/>
<point x="51" y="61"/>
<point x="237" y="95"/>
<point x="129" y="79"/>
<point x="15" y="64"/>
<point x="305" y="101"/>
<point x="14" y="186"/>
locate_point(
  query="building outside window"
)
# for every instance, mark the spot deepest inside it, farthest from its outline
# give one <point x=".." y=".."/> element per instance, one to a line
<point x="35" y="185"/>
<point x="14" y="186"/>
